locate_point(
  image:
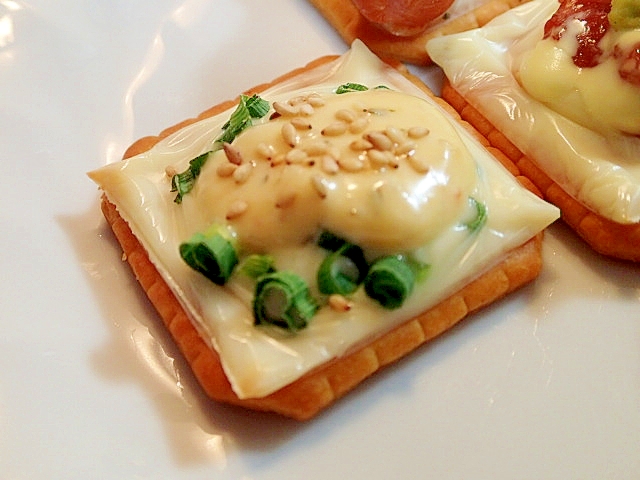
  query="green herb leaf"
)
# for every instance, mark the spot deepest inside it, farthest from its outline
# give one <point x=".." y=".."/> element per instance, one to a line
<point x="351" y="87"/>
<point x="183" y="182"/>
<point x="211" y="253"/>
<point x="248" y="108"/>
<point x="390" y="281"/>
<point x="283" y="299"/>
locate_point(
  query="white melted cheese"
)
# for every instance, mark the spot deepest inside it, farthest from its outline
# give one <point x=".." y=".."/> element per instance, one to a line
<point x="600" y="168"/>
<point x="430" y="205"/>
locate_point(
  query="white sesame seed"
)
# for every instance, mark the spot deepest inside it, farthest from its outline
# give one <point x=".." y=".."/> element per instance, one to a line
<point x="360" y="145"/>
<point x="418" y="164"/>
<point x="306" y="109"/>
<point x="329" y="165"/>
<point x="289" y="134"/>
<point x="226" y="169"/>
<point x="418" y="132"/>
<point x="320" y="185"/>
<point x="379" y="158"/>
<point x="315" y="100"/>
<point x="285" y="109"/>
<point x="394" y="135"/>
<point x="301" y="123"/>
<point x="241" y="174"/>
<point x="232" y="153"/>
<point x="359" y="124"/>
<point x="279" y="159"/>
<point x="237" y="208"/>
<point x="286" y="200"/>
<point x="339" y="303"/>
<point x="345" y="115"/>
<point x="406" y="148"/>
<point x="296" y="155"/>
<point x="351" y="164"/>
<point x="334" y="129"/>
<point x="314" y="148"/>
<point x="297" y="100"/>
<point x="379" y="140"/>
<point x="266" y="151"/>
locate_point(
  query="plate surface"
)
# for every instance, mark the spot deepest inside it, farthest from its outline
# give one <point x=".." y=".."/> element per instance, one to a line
<point x="545" y="384"/>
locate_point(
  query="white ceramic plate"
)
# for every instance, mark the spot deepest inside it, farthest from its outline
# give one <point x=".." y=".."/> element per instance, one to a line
<point x="544" y="385"/>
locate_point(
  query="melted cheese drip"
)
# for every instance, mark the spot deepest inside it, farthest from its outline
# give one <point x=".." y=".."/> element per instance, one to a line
<point x="549" y="75"/>
<point x="601" y="170"/>
<point x="258" y="361"/>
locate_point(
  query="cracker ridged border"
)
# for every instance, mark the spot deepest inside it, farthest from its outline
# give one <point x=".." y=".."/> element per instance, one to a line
<point x="350" y="24"/>
<point x="609" y="238"/>
<point x="319" y="388"/>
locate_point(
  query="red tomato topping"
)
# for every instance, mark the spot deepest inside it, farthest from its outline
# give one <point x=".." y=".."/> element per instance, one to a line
<point x="402" y="17"/>
<point x="593" y="14"/>
<point x="628" y="63"/>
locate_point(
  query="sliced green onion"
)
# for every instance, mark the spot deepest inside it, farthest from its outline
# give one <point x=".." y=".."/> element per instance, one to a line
<point x="248" y="108"/>
<point x="390" y="281"/>
<point x="420" y="269"/>
<point x="330" y="241"/>
<point x="481" y="215"/>
<point x="211" y="253"/>
<point x="283" y="299"/>
<point x="255" y="265"/>
<point x="343" y="270"/>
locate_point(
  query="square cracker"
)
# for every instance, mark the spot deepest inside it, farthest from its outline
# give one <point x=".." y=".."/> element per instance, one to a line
<point x="321" y="387"/>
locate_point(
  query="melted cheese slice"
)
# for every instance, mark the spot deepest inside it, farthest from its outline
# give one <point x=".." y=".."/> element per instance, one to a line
<point x="411" y="208"/>
<point x="600" y="169"/>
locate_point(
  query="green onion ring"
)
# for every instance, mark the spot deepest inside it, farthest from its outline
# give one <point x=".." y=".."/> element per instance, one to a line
<point x="390" y="281"/>
<point x="283" y="299"/>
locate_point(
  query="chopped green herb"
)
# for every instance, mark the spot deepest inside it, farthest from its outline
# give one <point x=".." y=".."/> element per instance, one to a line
<point x="480" y="217"/>
<point x="183" y="182"/>
<point x="248" y="108"/>
<point x="212" y="253"/>
<point x="283" y="299"/>
<point x="351" y="87"/>
<point x="390" y="281"/>
<point x="357" y="87"/>
<point x="255" y="265"/>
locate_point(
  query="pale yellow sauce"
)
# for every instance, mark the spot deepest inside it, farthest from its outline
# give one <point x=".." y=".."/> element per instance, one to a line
<point x="388" y="207"/>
